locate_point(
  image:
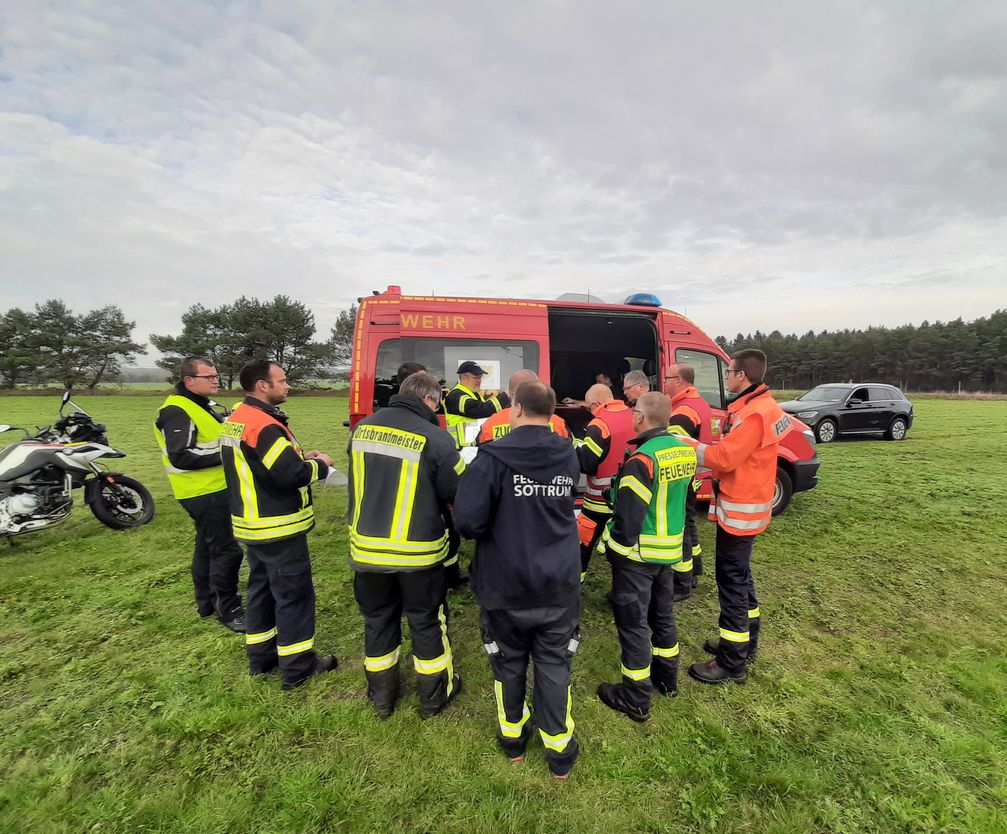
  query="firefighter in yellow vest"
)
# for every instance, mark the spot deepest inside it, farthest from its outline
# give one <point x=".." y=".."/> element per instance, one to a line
<point x="187" y="429"/>
<point x="465" y="404"/>
<point x="269" y="485"/>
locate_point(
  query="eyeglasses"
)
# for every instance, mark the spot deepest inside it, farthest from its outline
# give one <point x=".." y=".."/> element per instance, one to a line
<point x="729" y="371"/>
<point x="205" y="376"/>
<point x="636" y="411"/>
<point x="670" y="378"/>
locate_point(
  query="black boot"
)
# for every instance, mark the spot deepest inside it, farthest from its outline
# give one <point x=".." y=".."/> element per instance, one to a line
<point x="326" y="663"/>
<point x="383" y="690"/>
<point x="710" y="672"/>
<point x="429" y="711"/>
<point x="613" y="696"/>
<point x="560" y="764"/>
<point x="666" y="679"/>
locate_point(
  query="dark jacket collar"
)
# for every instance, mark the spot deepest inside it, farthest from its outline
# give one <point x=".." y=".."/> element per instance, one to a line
<point x="415" y="405"/>
<point x="198" y="399"/>
<point x="644" y="436"/>
<point x="272" y="411"/>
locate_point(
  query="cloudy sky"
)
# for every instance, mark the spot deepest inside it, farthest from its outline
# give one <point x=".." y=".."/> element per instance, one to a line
<point x="785" y="165"/>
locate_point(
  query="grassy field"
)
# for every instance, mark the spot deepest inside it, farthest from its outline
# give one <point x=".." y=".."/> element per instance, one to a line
<point x="879" y="702"/>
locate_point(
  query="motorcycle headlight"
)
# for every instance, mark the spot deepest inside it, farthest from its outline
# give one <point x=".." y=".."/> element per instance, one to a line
<point x="806" y="415"/>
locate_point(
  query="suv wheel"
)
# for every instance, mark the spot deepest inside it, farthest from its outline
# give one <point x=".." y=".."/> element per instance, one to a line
<point x="825" y="431"/>
<point x="897" y="430"/>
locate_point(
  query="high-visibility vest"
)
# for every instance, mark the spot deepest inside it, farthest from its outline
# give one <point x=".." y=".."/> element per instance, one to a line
<point x="673" y="465"/>
<point x="456" y="423"/>
<point x="498" y="426"/>
<point x="693" y="406"/>
<point x="191" y="483"/>
<point x="617" y="420"/>
<point x="743" y="505"/>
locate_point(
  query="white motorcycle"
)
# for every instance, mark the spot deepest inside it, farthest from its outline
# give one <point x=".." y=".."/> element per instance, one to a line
<point x="38" y="476"/>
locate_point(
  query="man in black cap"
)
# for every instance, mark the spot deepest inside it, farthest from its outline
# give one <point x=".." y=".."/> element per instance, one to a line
<point x="465" y="403"/>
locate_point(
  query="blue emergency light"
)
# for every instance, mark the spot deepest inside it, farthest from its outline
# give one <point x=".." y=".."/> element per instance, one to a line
<point x="643" y="299"/>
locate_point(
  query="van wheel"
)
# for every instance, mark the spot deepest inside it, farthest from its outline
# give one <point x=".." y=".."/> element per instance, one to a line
<point x="897" y="430"/>
<point x="825" y="431"/>
<point x="783" y="491"/>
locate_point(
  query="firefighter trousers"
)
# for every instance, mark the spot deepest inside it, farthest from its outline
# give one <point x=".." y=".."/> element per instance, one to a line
<point x="691" y="565"/>
<point x="216" y="558"/>
<point x="589" y="535"/>
<point x="641" y="600"/>
<point x="280" y="610"/>
<point x="740" y="617"/>
<point x="422" y="596"/>
<point x="548" y="636"/>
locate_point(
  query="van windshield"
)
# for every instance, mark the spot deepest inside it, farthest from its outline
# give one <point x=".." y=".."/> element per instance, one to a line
<point x="825" y="394"/>
<point x="441" y="357"/>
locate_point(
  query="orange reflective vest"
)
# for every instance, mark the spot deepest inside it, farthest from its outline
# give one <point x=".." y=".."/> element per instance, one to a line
<point x="495" y="427"/>
<point x="745" y="463"/>
<point x="614" y="419"/>
<point x="693" y="406"/>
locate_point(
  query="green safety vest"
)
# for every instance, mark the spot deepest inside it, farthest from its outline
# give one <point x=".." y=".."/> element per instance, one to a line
<point x="662" y="532"/>
<point x="190" y="483"/>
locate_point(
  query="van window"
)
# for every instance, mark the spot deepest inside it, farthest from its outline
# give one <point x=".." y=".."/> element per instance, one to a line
<point x="499" y="357"/>
<point x="708" y="374"/>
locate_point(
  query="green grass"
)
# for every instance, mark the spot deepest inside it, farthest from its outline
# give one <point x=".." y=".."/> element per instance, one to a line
<point x="879" y="702"/>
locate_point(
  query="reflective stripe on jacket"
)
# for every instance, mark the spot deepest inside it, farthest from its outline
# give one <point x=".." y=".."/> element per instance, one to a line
<point x="690" y="405"/>
<point x="649" y="517"/>
<point x="268" y="479"/>
<point x="497" y="426"/>
<point x="403" y="475"/>
<point x="463" y="407"/>
<point x="190" y="483"/>
<point x="744" y="462"/>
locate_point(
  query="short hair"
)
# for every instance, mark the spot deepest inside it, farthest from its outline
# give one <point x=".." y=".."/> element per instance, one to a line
<point x="419" y="385"/>
<point x="253" y="372"/>
<point x="190" y="366"/>
<point x="408" y="369"/>
<point x="655" y="408"/>
<point x="536" y="398"/>
<point x="752" y="363"/>
<point x="636" y="378"/>
<point x="520" y="376"/>
<point x="599" y="393"/>
<point x="687" y="373"/>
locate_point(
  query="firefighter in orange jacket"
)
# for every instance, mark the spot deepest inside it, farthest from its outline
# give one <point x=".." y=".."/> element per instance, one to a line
<point x="690" y="415"/>
<point x="601" y="452"/>
<point x="495" y="427"/>
<point x="269" y="486"/>
<point x="745" y="464"/>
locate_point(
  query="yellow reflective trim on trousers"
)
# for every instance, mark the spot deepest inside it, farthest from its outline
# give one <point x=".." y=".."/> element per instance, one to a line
<point x="247" y="484"/>
<point x="594" y="447"/>
<point x="431" y="667"/>
<point x="734" y="636"/>
<point x="443" y="617"/>
<point x="754" y="613"/>
<point x="508" y="729"/>
<point x="657" y="651"/>
<point x="259" y="637"/>
<point x="683" y="566"/>
<point x="697" y="550"/>
<point x="275" y="451"/>
<point x="295" y="648"/>
<point x="632" y="483"/>
<point x="637" y="674"/>
<point x="560" y="741"/>
<point x="385" y="661"/>
<point x="459" y="467"/>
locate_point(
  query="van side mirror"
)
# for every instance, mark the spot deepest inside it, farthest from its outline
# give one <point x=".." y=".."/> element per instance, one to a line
<point x="853" y="401"/>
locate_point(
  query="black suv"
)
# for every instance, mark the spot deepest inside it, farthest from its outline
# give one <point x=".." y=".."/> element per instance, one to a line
<point x="847" y="408"/>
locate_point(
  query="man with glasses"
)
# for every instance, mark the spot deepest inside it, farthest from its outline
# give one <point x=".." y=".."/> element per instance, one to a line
<point x="187" y="429"/>
<point x="404" y="472"/>
<point x="744" y="463"/>
<point x="634" y="384"/>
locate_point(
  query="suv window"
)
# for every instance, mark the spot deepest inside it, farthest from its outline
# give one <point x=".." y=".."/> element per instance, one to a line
<point x="709" y="374"/>
<point x="442" y="356"/>
<point x="860" y="394"/>
<point x="882" y="394"/>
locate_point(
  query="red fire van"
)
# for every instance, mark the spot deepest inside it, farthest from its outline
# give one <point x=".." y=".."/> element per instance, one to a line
<point x="567" y="342"/>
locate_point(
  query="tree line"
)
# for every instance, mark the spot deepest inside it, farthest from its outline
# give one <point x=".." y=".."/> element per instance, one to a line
<point x="938" y="356"/>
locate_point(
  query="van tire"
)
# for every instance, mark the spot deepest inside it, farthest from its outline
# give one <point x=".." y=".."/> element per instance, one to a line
<point x="825" y="431"/>
<point x="783" y="491"/>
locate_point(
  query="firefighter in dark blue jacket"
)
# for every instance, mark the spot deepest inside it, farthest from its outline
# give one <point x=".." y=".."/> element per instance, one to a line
<point x="517" y="501"/>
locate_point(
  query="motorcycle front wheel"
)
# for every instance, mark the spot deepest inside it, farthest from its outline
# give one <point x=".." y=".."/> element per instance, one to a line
<point x="121" y="502"/>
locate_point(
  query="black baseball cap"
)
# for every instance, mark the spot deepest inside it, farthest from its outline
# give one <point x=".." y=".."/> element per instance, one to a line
<point x="470" y="367"/>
